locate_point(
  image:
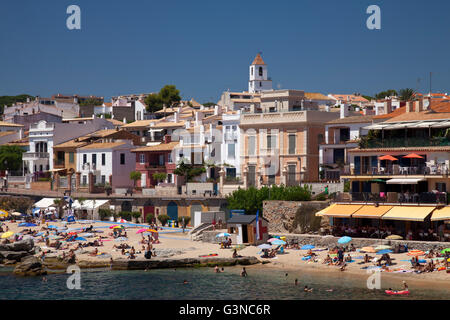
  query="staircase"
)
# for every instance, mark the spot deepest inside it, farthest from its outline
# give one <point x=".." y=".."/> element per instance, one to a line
<point x="196" y="233"/>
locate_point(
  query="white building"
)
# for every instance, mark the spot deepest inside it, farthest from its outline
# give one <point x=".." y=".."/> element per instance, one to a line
<point x="109" y="162"/>
<point x="259" y="80"/>
<point x="231" y="145"/>
<point x="43" y="136"/>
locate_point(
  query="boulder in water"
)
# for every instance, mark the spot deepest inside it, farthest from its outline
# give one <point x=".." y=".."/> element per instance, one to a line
<point x="23" y="245"/>
<point x="30" y="266"/>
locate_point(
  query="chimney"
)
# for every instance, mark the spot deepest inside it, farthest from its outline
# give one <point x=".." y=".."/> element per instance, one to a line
<point x="176" y="117"/>
<point x="418" y="105"/>
<point x="198" y="118"/>
<point x="167" y="138"/>
<point x="344" y="111"/>
<point x="426" y="103"/>
<point x="409" y="106"/>
<point x="124" y="120"/>
<point x="217" y="110"/>
<point x="387" y="106"/>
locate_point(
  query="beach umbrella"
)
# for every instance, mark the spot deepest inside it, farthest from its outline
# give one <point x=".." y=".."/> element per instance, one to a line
<point x="223" y="234"/>
<point x="113" y="226"/>
<point x="151" y="230"/>
<point x="445" y="251"/>
<point x="273" y="239"/>
<point x="415" y="253"/>
<point x="278" y="242"/>
<point x="121" y="239"/>
<point x="80" y="239"/>
<point x="72" y="233"/>
<point x="141" y="230"/>
<point x="382" y="247"/>
<point x="17" y="214"/>
<point x="388" y="157"/>
<point x="122" y="221"/>
<point x="118" y="227"/>
<point x="307" y="247"/>
<point x="394" y="237"/>
<point x="265" y="246"/>
<point x="368" y="249"/>
<point x="3" y="213"/>
<point x="7" y="234"/>
<point x="344" y="240"/>
<point x="384" y="251"/>
<point x="413" y="156"/>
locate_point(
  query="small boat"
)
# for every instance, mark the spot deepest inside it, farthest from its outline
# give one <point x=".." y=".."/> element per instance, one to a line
<point x="392" y="292"/>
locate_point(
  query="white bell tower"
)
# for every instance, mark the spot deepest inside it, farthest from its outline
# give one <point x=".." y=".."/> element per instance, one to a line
<point x="258" y="76"/>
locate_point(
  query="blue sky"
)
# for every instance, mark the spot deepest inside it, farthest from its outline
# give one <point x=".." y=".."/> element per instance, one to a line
<point x="205" y="47"/>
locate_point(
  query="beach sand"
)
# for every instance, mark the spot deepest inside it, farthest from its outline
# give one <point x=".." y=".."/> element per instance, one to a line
<point x="174" y="244"/>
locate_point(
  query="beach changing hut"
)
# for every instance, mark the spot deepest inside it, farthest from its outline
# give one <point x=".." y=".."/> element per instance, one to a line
<point x="244" y="227"/>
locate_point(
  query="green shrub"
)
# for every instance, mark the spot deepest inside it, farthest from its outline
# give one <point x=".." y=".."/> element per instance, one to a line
<point x="186" y="220"/>
<point x="150" y="218"/>
<point x="105" y="213"/>
<point x="125" y="215"/>
<point x="136" y="215"/>
<point x="163" y="218"/>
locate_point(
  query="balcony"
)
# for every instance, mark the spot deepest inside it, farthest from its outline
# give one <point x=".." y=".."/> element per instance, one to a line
<point x="437" y="198"/>
<point x="89" y="167"/>
<point x="59" y="164"/>
<point x="35" y="155"/>
<point x="154" y="166"/>
<point x="405" y="142"/>
<point x="396" y="170"/>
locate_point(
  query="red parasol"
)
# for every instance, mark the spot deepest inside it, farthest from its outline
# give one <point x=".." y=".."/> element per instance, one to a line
<point x="388" y="157"/>
<point x="413" y="156"/>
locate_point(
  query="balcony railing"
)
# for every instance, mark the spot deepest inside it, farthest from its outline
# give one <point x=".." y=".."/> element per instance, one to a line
<point x="36" y="155"/>
<point x="440" y="169"/>
<point x="59" y="163"/>
<point x="89" y="166"/>
<point x="392" y="197"/>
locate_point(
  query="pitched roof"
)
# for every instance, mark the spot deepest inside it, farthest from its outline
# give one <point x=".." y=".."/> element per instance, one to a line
<point x="316" y="96"/>
<point x="71" y="144"/>
<point x="116" y="122"/>
<point x="258" y="60"/>
<point x="159" y="147"/>
<point x="6" y="133"/>
<point x="139" y="124"/>
<point x="394" y="113"/>
<point x="102" y="145"/>
<point x="243" y="219"/>
<point x="349" y="97"/>
<point x="168" y="124"/>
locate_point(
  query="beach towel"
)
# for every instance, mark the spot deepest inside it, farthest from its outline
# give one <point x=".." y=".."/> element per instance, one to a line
<point x="306" y="258"/>
<point x="209" y="255"/>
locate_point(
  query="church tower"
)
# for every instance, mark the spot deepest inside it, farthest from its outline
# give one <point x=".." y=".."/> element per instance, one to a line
<point x="258" y="76"/>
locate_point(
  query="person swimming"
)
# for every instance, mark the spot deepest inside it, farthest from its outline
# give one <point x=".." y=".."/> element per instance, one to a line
<point x="244" y="272"/>
<point x="296" y="282"/>
<point x="306" y="289"/>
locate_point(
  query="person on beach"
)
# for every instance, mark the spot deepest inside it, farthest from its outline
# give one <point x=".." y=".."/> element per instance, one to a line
<point x="405" y="286"/>
<point x="244" y="272"/>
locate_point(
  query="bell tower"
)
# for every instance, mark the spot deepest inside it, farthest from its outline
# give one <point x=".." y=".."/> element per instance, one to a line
<point x="258" y="80"/>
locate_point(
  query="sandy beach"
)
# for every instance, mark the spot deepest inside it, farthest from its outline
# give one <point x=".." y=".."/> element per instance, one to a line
<point x="175" y="244"/>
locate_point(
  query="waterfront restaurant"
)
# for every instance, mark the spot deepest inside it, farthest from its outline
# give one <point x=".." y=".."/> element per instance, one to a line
<point x="371" y="220"/>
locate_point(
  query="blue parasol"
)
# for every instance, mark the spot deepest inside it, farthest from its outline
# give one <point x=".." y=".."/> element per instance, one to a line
<point x="307" y="247"/>
<point x="344" y="240"/>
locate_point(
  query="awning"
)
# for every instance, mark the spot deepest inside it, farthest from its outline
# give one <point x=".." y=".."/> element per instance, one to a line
<point x="375" y="127"/>
<point x="408" y="213"/>
<point x="441" y="214"/>
<point x="342" y="210"/>
<point x="371" y="212"/>
<point x="404" y="181"/>
<point x="321" y="212"/>
<point x="89" y="204"/>
<point x="44" y="203"/>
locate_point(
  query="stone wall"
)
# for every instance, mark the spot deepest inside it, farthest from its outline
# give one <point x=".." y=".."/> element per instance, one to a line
<point x="330" y="241"/>
<point x="282" y="214"/>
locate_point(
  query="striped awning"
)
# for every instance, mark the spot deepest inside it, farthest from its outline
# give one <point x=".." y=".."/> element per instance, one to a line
<point x="408" y="213"/>
<point x="371" y="212"/>
<point x="441" y="214"/>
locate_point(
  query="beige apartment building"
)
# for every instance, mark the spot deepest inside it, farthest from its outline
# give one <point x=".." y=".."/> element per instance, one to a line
<point x="280" y="140"/>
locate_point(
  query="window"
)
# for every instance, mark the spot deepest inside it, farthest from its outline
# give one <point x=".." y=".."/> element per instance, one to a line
<point x="441" y="187"/>
<point x="169" y="178"/>
<point x="103" y="179"/>
<point x="122" y="158"/>
<point x="345" y="134"/>
<point x="231" y="150"/>
<point x="291" y="144"/>
<point x="271" y="179"/>
<point x="260" y="84"/>
<point x="94" y="158"/>
<point x="103" y="159"/>
<point x="231" y="172"/>
<point x="169" y="157"/>
<point x="84" y="158"/>
<point x="260" y="72"/>
<point x="71" y="157"/>
<point x="271" y="142"/>
<point x="84" y="180"/>
<point x="251" y="145"/>
<point x="291" y="175"/>
<point x="251" y="71"/>
<point x="141" y="158"/>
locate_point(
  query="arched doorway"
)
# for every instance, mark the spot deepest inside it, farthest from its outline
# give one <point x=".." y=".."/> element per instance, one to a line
<point x="172" y="210"/>
<point x="195" y="207"/>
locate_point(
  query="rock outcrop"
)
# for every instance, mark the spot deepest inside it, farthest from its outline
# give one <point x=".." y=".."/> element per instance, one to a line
<point x="17" y="250"/>
<point x="30" y="266"/>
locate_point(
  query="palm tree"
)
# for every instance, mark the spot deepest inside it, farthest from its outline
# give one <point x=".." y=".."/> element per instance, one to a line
<point x="407" y="94"/>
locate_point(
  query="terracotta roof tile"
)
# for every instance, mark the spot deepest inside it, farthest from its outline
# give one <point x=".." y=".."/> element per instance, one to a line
<point x="159" y="147"/>
<point x="258" y="60"/>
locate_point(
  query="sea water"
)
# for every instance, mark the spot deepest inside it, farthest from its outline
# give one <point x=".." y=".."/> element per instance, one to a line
<point x="205" y="284"/>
